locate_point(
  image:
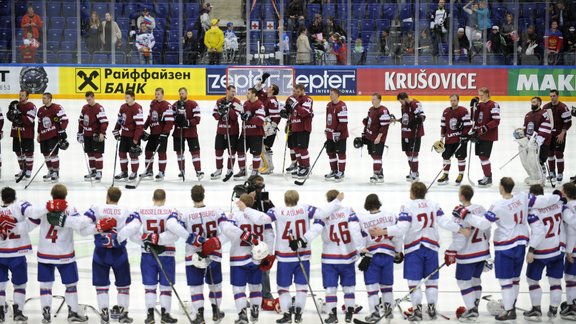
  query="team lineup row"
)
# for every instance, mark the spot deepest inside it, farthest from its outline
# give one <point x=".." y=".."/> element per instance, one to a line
<point x="545" y="225"/>
<point x="253" y="125"/>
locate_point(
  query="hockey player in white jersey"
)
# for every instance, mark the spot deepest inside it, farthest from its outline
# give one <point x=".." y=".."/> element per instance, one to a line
<point x="250" y="255"/>
<point x="380" y="254"/>
<point x="569" y="217"/>
<point x="14" y="245"/>
<point x="341" y="240"/>
<point x="510" y="238"/>
<point x="293" y="233"/>
<point x="469" y="253"/>
<point x="57" y="221"/>
<point x="544" y="251"/>
<point x="158" y="238"/>
<point x="111" y="225"/>
<point x="202" y="221"/>
<point x="418" y="223"/>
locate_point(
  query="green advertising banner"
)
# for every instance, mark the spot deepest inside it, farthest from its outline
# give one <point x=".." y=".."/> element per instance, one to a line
<point x="539" y="82"/>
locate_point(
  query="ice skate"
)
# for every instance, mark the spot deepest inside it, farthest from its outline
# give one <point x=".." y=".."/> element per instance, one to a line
<point x="416" y="315"/>
<point x="459" y="179"/>
<point x="303" y="172"/>
<point x="17" y="315"/>
<point x="132" y="177"/>
<point x="240" y="176"/>
<point x="47" y="177"/>
<point x="199" y="175"/>
<point x="293" y="166"/>
<point x="150" y="317"/>
<point x="216" y="174"/>
<point x="121" y="176"/>
<point x="88" y="177"/>
<point x="443" y="179"/>
<point x="552" y="312"/>
<point x="199" y="317"/>
<point x="506" y="315"/>
<point x="166" y="318"/>
<point x="470" y="315"/>
<point x="349" y="315"/>
<point x="330" y="176"/>
<point x="104" y="316"/>
<point x="146" y="175"/>
<point x="388" y="311"/>
<point x="74" y="317"/>
<point x="46" y="316"/>
<point x="485" y="182"/>
<point x="339" y="177"/>
<point x="54" y="176"/>
<point x="242" y="317"/>
<point x="159" y="176"/>
<point x="298" y="315"/>
<point x="432" y="311"/>
<point x="254" y="313"/>
<point x="98" y="177"/>
<point x="217" y="314"/>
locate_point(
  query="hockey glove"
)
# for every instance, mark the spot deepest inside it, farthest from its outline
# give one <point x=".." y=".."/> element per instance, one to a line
<point x="107" y="241"/>
<point x="195" y="240"/>
<point x="7" y="224"/>
<point x="365" y="262"/>
<point x="265" y="77"/>
<point x="180" y="120"/>
<point x="80" y="138"/>
<point x="249" y="238"/>
<point x="56" y="205"/>
<point x="57" y="218"/>
<point x="62" y="135"/>
<point x="449" y="257"/>
<point x="106" y="224"/>
<point x="482" y="130"/>
<point x="145" y="136"/>
<point x="474" y="102"/>
<point x="267" y="263"/>
<point x="398" y="257"/>
<point x="63" y="145"/>
<point x="135" y="150"/>
<point x="285" y="113"/>
<point x="295" y="244"/>
<point x="460" y="212"/>
<point x="116" y="135"/>
<point x="573" y="111"/>
<point x="210" y="246"/>
<point x="245" y="116"/>
<point x="150" y="238"/>
<point x="14" y="115"/>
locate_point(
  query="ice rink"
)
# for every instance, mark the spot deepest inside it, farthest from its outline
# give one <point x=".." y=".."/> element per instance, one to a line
<point x="393" y="192"/>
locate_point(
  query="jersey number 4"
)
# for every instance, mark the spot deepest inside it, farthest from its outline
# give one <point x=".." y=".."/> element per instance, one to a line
<point x="52" y="234"/>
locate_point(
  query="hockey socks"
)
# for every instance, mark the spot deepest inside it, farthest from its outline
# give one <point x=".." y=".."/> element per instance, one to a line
<point x="162" y="161"/>
<point x="166" y="298"/>
<point x="432" y="291"/>
<point x="20" y="295"/>
<point x="239" y="297"/>
<point x="150" y="297"/>
<point x="255" y="294"/>
<point x="486" y="166"/>
<point x="123" y="297"/>
<point x="197" y="297"/>
<point x="71" y="296"/>
<point x="195" y="161"/>
<point x="467" y="292"/>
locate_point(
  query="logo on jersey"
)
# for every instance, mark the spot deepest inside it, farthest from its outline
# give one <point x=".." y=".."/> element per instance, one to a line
<point x="88" y="80"/>
<point x="405" y="119"/>
<point x="46" y="122"/>
<point x="480" y="117"/>
<point x="530" y="128"/>
<point x="154" y="116"/>
<point x="86" y="120"/>
<point x="329" y="119"/>
<point x="453" y="124"/>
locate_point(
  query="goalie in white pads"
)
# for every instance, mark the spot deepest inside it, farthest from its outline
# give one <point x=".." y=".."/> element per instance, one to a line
<point x="545" y="251"/>
<point x="380" y="254"/>
<point x="418" y="223"/>
<point x="14" y="245"/>
<point x="469" y="253"/>
<point x="293" y="233"/>
<point x="272" y="109"/>
<point x="57" y="223"/>
<point x="250" y="255"/>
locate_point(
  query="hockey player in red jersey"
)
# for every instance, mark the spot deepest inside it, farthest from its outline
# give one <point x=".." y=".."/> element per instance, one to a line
<point x="336" y="134"/>
<point x="454" y="128"/>
<point x="376" y="126"/>
<point x="252" y="133"/>
<point x="22" y="115"/>
<point x="52" y="123"/>
<point x="412" y="131"/>
<point x="562" y="121"/>
<point x="128" y="130"/>
<point x="485" y="132"/>
<point x="272" y="119"/>
<point x="226" y="112"/>
<point x="186" y="120"/>
<point x="92" y="125"/>
<point x="301" y="115"/>
<point x="160" y="120"/>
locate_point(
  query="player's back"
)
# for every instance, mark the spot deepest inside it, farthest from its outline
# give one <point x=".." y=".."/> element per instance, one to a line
<point x="553" y="238"/>
<point x="154" y="221"/>
<point x="291" y="222"/>
<point x="55" y="243"/>
<point x="16" y="244"/>
<point x="240" y="252"/>
<point x="378" y="244"/>
<point x="338" y="246"/>
<point x="477" y="246"/>
<point x="203" y="221"/>
<point x="512" y="223"/>
<point x="422" y="215"/>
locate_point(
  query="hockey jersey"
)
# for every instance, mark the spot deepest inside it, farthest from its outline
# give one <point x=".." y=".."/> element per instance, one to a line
<point x="454" y="123"/>
<point x="272" y="108"/>
<point x="569" y="218"/>
<point x="240" y="252"/>
<point x="409" y="112"/>
<point x="537" y="123"/>
<point x="336" y="120"/>
<point x="154" y="220"/>
<point x="191" y="112"/>
<point x="389" y="245"/>
<point x="255" y="124"/>
<point x="546" y="227"/>
<point x="130" y="121"/>
<point x="302" y="114"/>
<point x="293" y="222"/>
<point x="26" y="122"/>
<point x="204" y="221"/>
<point x="341" y="237"/>
<point x="377" y="122"/>
<point x="160" y="118"/>
<point x="92" y="120"/>
<point x="474" y="248"/>
<point x="487" y="114"/>
<point x="418" y="223"/>
<point x="231" y="120"/>
<point x="561" y="117"/>
<point x="51" y="121"/>
<point x="128" y="222"/>
<point x="18" y="242"/>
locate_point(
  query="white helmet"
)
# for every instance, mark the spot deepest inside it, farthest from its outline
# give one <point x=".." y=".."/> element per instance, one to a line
<point x="200" y="262"/>
<point x="495" y="307"/>
<point x="260" y="251"/>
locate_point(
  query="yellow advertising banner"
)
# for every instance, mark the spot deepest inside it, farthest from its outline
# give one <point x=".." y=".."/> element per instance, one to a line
<point x="112" y="83"/>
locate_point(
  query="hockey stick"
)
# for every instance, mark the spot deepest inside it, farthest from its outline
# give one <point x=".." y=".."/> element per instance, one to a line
<point x="115" y="163"/>
<point x="406" y="297"/>
<point x="306" y="276"/>
<point x="23" y="165"/>
<point x="436" y="177"/>
<point x="229" y="147"/>
<point x="182" y="155"/>
<point x="130" y="186"/>
<point x="472" y="108"/>
<point x="57" y="145"/>
<point x="286" y="146"/>
<point x="299" y="183"/>
<point x="547" y="175"/>
<point x="512" y="158"/>
<point x="87" y="164"/>
<point x="212" y="284"/>
<point x="182" y="306"/>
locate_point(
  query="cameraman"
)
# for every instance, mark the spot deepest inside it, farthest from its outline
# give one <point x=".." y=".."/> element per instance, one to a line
<point x="255" y="188"/>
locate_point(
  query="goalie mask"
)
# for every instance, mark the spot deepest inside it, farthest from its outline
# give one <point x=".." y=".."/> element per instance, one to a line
<point x="439" y="147"/>
<point x="200" y="262"/>
<point x="260" y="251"/>
<point x="518" y="133"/>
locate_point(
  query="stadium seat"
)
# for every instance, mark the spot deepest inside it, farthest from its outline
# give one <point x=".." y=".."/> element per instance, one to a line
<point x="328" y="10"/>
<point x="388" y="11"/>
<point x="405" y="11"/>
<point x="69" y="7"/>
<point x="408" y="59"/>
<point x="68" y="46"/>
<point x="118" y="10"/>
<point x="123" y="24"/>
<point x="53" y="9"/>
<point x="100" y="59"/>
<point x="172" y="58"/>
<point x="359" y="12"/>
<point x="70" y="33"/>
<point x="120" y="57"/>
<point x="4" y="45"/>
<point x="57" y="23"/>
<point x="192" y="10"/>
<point x="382" y="24"/>
<point x="160" y="24"/>
<point x="312" y="10"/>
<point x="53" y="46"/>
<point x="423" y="10"/>
<point x="71" y="23"/>
<point x="374" y="10"/>
<point x="173" y="46"/>
<point x="67" y="58"/>
<point x="54" y="35"/>
<point x="173" y="36"/>
<point x="494" y="59"/>
<point x="5" y="22"/>
<point x="6" y="7"/>
<point x="50" y="58"/>
<point x="161" y="9"/>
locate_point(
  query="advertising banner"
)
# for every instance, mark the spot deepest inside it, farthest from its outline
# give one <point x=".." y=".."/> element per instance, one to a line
<point x="35" y="79"/>
<point x="215" y="81"/>
<point x="539" y="82"/>
<point x="143" y="81"/>
<point x="318" y="81"/>
<point x="432" y="81"/>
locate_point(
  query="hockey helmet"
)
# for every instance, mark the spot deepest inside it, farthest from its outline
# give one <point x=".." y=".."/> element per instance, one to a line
<point x="200" y="262"/>
<point x="494" y="307"/>
<point x="459" y="311"/>
<point x="518" y="133"/>
<point x="260" y="251"/>
<point x="439" y="147"/>
<point x="358" y="142"/>
<point x="64" y="144"/>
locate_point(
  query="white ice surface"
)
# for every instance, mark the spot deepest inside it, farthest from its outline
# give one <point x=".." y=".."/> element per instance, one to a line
<point x="356" y="186"/>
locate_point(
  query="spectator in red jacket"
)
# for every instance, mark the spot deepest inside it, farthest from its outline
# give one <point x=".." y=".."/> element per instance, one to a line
<point x="31" y="22"/>
<point x="28" y="49"/>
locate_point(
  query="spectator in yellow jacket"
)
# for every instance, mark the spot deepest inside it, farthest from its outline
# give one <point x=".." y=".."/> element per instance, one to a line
<point x="214" y="40"/>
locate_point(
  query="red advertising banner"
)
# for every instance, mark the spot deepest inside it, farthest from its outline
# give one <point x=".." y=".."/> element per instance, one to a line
<point x="432" y="81"/>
